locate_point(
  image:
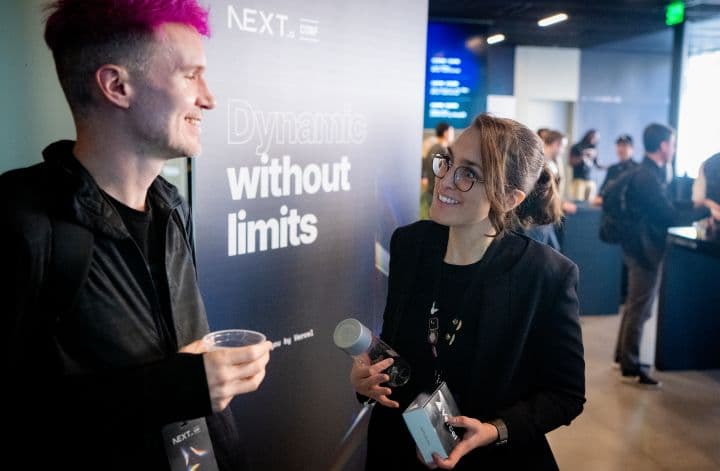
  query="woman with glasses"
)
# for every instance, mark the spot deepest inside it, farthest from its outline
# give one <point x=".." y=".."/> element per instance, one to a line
<point x="490" y="312"/>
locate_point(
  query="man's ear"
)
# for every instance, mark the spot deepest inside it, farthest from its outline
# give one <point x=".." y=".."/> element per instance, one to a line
<point x="514" y="199"/>
<point x="113" y="83"/>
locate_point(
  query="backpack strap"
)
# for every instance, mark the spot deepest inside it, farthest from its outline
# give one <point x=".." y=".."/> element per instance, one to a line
<point x="70" y="256"/>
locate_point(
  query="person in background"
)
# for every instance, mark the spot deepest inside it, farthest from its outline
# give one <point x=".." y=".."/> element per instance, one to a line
<point x="444" y="136"/>
<point x="107" y="382"/>
<point x="554" y="143"/>
<point x="706" y="192"/>
<point x="491" y="312"/>
<point x="707" y="185"/>
<point x="583" y="156"/>
<point x="624" y="150"/>
<point x="643" y="247"/>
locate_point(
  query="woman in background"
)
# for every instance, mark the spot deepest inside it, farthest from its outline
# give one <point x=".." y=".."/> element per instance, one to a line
<point x="583" y="157"/>
<point x="490" y="312"/>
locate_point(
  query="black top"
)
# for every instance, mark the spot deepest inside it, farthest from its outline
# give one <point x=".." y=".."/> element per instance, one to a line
<point x="413" y="345"/>
<point x="615" y="171"/>
<point x="712" y="178"/>
<point x="103" y="368"/>
<point x="147" y="229"/>
<point x="648" y="198"/>
<point x="455" y="282"/>
<point x="580" y="168"/>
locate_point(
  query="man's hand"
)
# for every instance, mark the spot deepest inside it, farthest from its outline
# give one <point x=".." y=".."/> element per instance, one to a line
<point x="232" y="371"/>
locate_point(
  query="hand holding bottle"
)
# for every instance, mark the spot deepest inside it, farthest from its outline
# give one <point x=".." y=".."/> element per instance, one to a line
<point x="368" y="380"/>
<point x="376" y="366"/>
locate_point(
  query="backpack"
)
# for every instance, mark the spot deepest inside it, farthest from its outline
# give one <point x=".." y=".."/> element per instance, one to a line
<point x="617" y="219"/>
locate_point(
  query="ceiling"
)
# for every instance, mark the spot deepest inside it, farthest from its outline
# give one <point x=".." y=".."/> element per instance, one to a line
<point x="591" y="23"/>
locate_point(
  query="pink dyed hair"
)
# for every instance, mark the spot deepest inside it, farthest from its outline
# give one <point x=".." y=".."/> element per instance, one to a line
<point x="73" y="21"/>
<point x="84" y="34"/>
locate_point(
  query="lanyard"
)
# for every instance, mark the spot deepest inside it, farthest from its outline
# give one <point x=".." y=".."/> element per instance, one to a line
<point x="433" y="335"/>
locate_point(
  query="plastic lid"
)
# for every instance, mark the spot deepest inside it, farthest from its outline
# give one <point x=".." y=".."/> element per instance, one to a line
<point x="352" y="336"/>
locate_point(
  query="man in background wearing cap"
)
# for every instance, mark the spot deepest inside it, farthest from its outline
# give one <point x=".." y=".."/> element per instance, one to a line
<point x="624" y="149"/>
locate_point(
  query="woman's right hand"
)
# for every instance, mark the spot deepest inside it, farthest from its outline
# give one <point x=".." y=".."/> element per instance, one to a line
<point x="367" y="379"/>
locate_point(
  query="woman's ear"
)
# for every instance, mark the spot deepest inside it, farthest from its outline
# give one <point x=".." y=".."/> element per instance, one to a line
<point x="113" y="84"/>
<point x="514" y="198"/>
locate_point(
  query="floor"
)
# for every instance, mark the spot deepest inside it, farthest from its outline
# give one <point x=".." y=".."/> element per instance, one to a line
<point x="629" y="427"/>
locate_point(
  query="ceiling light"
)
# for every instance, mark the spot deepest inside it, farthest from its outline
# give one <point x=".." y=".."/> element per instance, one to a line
<point x="551" y="20"/>
<point x="496" y="38"/>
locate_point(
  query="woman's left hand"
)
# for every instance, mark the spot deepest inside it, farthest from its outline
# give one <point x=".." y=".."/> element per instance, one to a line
<point x="477" y="434"/>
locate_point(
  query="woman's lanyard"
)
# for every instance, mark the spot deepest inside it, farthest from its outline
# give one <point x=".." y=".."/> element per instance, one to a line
<point x="433" y="335"/>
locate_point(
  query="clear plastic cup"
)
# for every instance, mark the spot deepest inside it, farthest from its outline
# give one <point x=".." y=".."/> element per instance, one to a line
<point x="232" y="338"/>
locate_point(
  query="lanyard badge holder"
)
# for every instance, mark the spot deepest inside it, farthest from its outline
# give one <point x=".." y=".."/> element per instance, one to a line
<point x="188" y="446"/>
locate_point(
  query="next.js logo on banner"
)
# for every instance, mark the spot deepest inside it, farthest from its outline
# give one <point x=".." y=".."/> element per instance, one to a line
<point x="272" y="24"/>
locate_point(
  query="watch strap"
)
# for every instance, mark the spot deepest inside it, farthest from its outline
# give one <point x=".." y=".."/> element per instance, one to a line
<point x="501" y="427"/>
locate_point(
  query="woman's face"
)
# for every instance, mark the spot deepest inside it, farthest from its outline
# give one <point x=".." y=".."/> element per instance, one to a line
<point x="452" y="207"/>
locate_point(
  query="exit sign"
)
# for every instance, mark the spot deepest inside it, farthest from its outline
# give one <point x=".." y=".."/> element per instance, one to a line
<point x="675" y="13"/>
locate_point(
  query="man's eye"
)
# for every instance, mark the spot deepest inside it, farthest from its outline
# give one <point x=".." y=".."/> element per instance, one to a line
<point x="191" y="77"/>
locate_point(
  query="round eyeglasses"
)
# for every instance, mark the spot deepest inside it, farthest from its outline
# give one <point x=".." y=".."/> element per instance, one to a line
<point x="464" y="177"/>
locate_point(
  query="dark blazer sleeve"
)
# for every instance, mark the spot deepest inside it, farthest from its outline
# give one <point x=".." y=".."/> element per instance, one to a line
<point x="559" y="374"/>
<point x="405" y="245"/>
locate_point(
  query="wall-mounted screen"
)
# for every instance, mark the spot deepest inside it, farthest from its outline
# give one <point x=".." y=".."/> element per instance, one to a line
<point x="454" y="74"/>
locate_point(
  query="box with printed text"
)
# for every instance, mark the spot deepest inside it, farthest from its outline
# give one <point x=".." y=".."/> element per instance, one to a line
<point x="426" y="420"/>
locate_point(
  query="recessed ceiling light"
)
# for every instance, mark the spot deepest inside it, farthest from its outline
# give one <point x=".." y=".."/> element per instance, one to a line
<point x="496" y="38"/>
<point x="551" y="20"/>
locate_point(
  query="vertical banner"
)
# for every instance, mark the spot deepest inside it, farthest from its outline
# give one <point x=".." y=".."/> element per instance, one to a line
<point x="310" y="160"/>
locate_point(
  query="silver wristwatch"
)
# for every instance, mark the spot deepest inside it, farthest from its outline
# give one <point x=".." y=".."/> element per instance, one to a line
<point x="502" y="431"/>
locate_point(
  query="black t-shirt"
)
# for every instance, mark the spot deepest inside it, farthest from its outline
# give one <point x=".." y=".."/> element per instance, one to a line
<point x="413" y="345"/>
<point x="580" y="168"/>
<point x="147" y="229"/>
<point x="454" y="357"/>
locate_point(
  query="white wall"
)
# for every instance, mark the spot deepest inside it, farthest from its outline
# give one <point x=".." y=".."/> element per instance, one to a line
<point x="35" y="112"/>
<point x="547" y="73"/>
<point x="547" y="81"/>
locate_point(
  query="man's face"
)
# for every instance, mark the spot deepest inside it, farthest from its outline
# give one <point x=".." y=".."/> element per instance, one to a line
<point x="624" y="151"/>
<point x="668" y="149"/>
<point x="171" y="94"/>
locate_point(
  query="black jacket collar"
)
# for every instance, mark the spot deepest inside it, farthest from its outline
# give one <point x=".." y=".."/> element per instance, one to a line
<point x="86" y="201"/>
<point x="504" y="252"/>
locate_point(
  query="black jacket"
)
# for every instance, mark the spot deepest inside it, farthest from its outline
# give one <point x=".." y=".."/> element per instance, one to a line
<point x="615" y="171"/>
<point x="528" y="368"/>
<point x="647" y="198"/>
<point x="102" y="378"/>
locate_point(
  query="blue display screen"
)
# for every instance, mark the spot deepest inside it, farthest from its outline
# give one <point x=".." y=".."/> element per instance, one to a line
<point x="454" y="74"/>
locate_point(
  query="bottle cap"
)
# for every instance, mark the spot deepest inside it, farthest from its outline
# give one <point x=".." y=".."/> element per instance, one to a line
<point x="352" y="336"/>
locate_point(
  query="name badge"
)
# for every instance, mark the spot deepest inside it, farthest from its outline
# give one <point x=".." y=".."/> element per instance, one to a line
<point x="188" y="446"/>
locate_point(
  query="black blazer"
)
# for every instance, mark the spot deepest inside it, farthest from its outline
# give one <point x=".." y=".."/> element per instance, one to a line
<point x="528" y="368"/>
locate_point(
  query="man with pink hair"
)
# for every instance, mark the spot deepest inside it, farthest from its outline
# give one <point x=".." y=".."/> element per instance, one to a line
<point x="103" y="315"/>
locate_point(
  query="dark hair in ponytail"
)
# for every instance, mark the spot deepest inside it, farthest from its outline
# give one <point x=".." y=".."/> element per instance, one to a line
<point x="542" y="205"/>
<point x="512" y="159"/>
